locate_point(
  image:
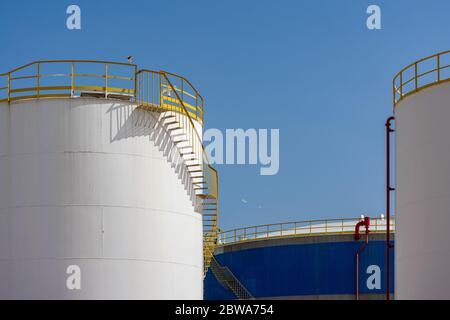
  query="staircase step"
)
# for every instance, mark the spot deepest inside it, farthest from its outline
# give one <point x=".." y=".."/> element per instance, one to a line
<point x="174" y="128"/>
<point x="167" y="116"/>
<point x="193" y="163"/>
<point x="207" y="196"/>
<point x="170" y="122"/>
<point x="177" y="135"/>
<point x="180" y="141"/>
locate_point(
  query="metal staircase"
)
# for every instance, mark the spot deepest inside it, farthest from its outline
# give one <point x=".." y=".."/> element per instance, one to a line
<point x="179" y="105"/>
<point x="229" y="281"/>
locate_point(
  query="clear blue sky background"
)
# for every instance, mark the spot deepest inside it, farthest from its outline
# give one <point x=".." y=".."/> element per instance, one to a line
<point x="310" y="68"/>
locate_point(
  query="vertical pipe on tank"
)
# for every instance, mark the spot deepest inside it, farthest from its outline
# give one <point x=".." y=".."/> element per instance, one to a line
<point x="366" y="224"/>
<point x="361" y="249"/>
<point x="389" y="189"/>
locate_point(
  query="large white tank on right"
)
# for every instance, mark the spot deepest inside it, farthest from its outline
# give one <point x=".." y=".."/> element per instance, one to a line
<point x="422" y="241"/>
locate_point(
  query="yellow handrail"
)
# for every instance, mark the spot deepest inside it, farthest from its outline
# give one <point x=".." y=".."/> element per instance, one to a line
<point x="31" y="78"/>
<point x="404" y="85"/>
<point x="298" y="229"/>
<point x="74" y="82"/>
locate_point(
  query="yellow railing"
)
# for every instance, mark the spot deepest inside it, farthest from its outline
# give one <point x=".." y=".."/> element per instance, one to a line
<point x="191" y="98"/>
<point x="74" y="78"/>
<point x="169" y="91"/>
<point x="299" y="229"/>
<point x="421" y="74"/>
<point x="67" y="78"/>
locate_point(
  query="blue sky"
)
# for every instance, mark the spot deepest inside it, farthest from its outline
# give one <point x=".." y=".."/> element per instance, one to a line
<point x="310" y="68"/>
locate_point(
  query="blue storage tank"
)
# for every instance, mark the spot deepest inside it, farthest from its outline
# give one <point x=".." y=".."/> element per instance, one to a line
<point x="303" y="260"/>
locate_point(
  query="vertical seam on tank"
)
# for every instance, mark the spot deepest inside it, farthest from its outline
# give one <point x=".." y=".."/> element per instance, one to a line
<point x="102" y="234"/>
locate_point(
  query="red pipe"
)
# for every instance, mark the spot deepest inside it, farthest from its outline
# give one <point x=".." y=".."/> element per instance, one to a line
<point x="389" y="189"/>
<point x="366" y="223"/>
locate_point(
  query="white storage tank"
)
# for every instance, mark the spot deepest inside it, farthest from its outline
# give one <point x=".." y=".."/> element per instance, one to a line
<point x="96" y="199"/>
<point x="422" y="111"/>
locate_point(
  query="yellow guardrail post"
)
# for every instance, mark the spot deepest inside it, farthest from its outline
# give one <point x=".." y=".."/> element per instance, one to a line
<point x="438" y="57"/>
<point x="72" y="90"/>
<point x="196" y="106"/>
<point x="153" y="87"/>
<point x="106" y="80"/>
<point x="148" y="86"/>
<point x="182" y="89"/>
<point x="394" y="93"/>
<point x="401" y="85"/>
<point x="416" y="79"/>
<point x="38" y="80"/>
<point x="9" y="87"/>
<point x="161" y="101"/>
<point x="135" y="81"/>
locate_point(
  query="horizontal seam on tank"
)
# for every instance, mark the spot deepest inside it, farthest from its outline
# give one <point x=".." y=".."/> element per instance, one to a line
<point x="101" y="258"/>
<point x="431" y="252"/>
<point x="413" y="202"/>
<point x="81" y="152"/>
<point x="98" y="205"/>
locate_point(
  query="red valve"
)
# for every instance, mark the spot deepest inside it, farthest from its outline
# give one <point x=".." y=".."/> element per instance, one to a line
<point x="365" y="223"/>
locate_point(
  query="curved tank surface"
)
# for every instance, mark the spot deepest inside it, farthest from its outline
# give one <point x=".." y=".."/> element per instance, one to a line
<point x="306" y="261"/>
<point x="96" y="200"/>
<point x="422" y="199"/>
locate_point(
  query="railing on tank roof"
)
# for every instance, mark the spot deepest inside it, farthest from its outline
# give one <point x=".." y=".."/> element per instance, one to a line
<point x="299" y="229"/>
<point x="67" y="78"/>
<point x="421" y="74"/>
<point x="73" y="78"/>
